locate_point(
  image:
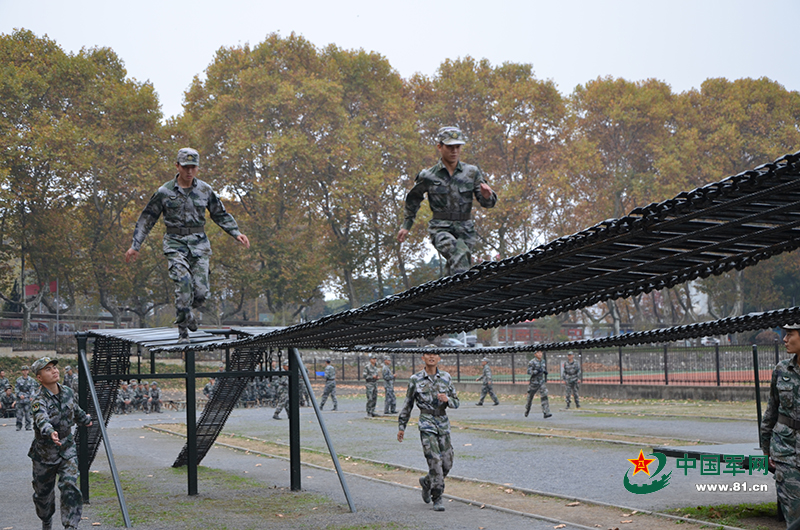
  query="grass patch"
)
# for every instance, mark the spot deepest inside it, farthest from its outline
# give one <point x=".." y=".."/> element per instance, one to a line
<point x="754" y="516"/>
<point x="231" y="502"/>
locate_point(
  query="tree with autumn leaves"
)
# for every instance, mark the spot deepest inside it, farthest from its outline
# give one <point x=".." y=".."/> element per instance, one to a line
<point x="314" y="149"/>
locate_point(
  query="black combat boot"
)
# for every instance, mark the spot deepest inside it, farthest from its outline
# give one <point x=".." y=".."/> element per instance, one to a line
<point x="47" y="525"/>
<point x="436" y="494"/>
<point x="425" y="482"/>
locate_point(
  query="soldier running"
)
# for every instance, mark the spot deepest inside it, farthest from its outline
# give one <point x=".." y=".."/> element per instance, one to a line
<point x="183" y="202"/>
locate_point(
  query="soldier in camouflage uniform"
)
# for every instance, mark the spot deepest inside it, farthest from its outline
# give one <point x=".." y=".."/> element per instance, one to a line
<point x="4" y="382"/>
<point x="282" y="393"/>
<point x="781" y="424"/>
<point x="571" y="374"/>
<point x="154" y="401"/>
<point x="183" y="202"/>
<point x="25" y="387"/>
<point x="486" y="377"/>
<point x="330" y="386"/>
<point x="390" y="402"/>
<point x="433" y="392"/>
<point x="450" y="186"/>
<point x="208" y="390"/>
<point x="53" y="452"/>
<point x="124" y="399"/>
<point x="7" y="401"/>
<point x="68" y="376"/>
<point x="370" y="375"/>
<point x="537" y="369"/>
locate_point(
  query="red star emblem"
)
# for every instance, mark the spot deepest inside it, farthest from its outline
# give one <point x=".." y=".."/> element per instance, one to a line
<point x="641" y="463"/>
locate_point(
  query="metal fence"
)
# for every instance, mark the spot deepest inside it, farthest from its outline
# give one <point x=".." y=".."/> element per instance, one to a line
<point x="718" y="365"/>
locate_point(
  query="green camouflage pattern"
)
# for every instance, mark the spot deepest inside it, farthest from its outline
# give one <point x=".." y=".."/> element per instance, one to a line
<point x="390" y="401"/>
<point x="330" y="387"/>
<point x="571" y="374"/>
<point x="779" y="440"/>
<point x="453" y="195"/>
<point x="537" y="369"/>
<point x="487" y="388"/>
<point x="370" y="375"/>
<point x="282" y="396"/>
<point x="187" y="254"/>
<point x="25" y="388"/>
<point x="125" y="397"/>
<point x="434" y="425"/>
<point x="787" y="484"/>
<point x="56" y="413"/>
<point x="154" y="403"/>
<point x="450" y="136"/>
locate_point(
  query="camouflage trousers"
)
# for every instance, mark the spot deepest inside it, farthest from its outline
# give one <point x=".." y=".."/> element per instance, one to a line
<point x="44" y="491"/>
<point x="487" y="389"/>
<point x="438" y="453"/>
<point x="330" y="390"/>
<point x="454" y="240"/>
<point x="190" y="276"/>
<point x="390" y="401"/>
<point x="533" y="388"/>
<point x="24" y="413"/>
<point x="372" y="396"/>
<point x="571" y="388"/>
<point x="787" y="482"/>
<point x="283" y="403"/>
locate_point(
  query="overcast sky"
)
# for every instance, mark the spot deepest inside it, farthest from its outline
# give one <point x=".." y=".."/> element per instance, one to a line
<point x="681" y="42"/>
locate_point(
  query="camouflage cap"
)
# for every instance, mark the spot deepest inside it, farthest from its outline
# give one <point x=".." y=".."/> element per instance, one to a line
<point x="153" y="384"/>
<point x="791" y="326"/>
<point x="25" y="367"/>
<point x="570" y="353"/>
<point x="450" y="136"/>
<point x="188" y="157"/>
<point x="485" y="360"/>
<point x="41" y="363"/>
<point x="327" y="360"/>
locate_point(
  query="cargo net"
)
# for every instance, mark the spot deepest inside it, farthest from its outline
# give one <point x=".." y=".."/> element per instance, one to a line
<point x="110" y="357"/>
<point x="227" y="392"/>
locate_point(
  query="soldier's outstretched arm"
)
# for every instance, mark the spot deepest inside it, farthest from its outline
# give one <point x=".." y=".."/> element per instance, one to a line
<point x="241" y="238"/>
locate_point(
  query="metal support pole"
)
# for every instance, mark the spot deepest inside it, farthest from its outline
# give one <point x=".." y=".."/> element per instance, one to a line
<point x="191" y="422"/>
<point x="666" y="369"/>
<point x="716" y="362"/>
<point x="139" y="359"/>
<point x="620" y="365"/>
<point x="84" y="366"/>
<point x="413" y="365"/>
<point x="294" y="419"/>
<point x="758" y="388"/>
<point x="458" y="367"/>
<point x="325" y="434"/>
<point x="152" y="362"/>
<point x="580" y="360"/>
<point x="83" y="403"/>
<point x="342" y="368"/>
<point x="513" y="377"/>
<point x="315" y="368"/>
<point x="358" y="368"/>
<point x="777" y="355"/>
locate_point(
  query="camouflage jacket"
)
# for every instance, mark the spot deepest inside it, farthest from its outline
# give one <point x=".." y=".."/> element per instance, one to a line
<point x="571" y="372"/>
<point x="446" y="194"/>
<point x="537" y="369"/>
<point x="208" y="390"/>
<point x="779" y="440"/>
<point x="4" y="382"/>
<point x="370" y="373"/>
<point x="7" y="401"/>
<point x="330" y="373"/>
<point x="486" y="376"/>
<point x="124" y="395"/>
<point x="55" y="413"/>
<point x="26" y="386"/>
<point x="388" y="375"/>
<point x="184" y="208"/>
<point x="155" y="394"/>
<point x="423" y="390"/>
